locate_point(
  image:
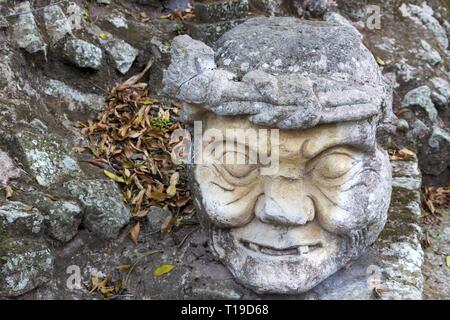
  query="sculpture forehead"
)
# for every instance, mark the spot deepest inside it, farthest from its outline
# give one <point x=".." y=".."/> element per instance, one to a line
<point x="305" y="142"/>
<point x="289" y="45"/>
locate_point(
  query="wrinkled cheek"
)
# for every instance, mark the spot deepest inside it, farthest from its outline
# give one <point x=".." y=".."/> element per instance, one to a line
<point x="339" y="216"/>
<point x="227" y="208"/>
<point x="342" y="212"/>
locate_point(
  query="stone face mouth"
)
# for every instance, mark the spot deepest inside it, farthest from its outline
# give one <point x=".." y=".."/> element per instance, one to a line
<point x="292" y="250"/>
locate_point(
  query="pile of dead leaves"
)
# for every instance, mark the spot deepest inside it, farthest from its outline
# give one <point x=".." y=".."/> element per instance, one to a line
<point x="433" y="199"/>
<point x="401" y="154"/>
<point x="106" y="287"/>
<point x="131" y="142"/>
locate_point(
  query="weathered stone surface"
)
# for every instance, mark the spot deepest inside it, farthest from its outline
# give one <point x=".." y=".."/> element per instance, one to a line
<point x="25" y="264"/>
<point x="421" y="97"/>
<point x="210" y="31"/>
<point x="278" y="77"/>
<point x="442" y="87"/>
<point x="435" y="270"/>
<point x="424" y="15"/>
<point x="61" y="218"/>
<point x="430" y="55"/>
<point x="46" y="156"/>
<point x="438" y="151"/>
<point x="75" y="99"/>
<point x="287" y="230"/>
<point x="25" y="31"/>
<point x="123" y="54"/>
<point x="8" y="170"/>
<point x="104" y="211"/>
<point x="3" y="23"/>
<point x="83" y="54"/>
<point x="220" y="10"/>
<point x="392" y="265"/>
<point x="56" y="23"/>
<point x="17" y="219"/>
<point x="118" y="21"/>
<point x="156" y="217"/>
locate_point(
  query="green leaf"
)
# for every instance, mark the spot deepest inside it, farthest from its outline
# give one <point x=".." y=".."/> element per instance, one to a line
<point x="113" y="177"/>
<point x="447" y="259"/>
<point x="380" y="61"/>
<point x="104" y="36"/>
<point x="162" y="270"/>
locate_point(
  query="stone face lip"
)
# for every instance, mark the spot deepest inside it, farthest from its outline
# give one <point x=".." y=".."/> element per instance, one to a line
<point x="104" y="211"/>
<point x="281" y="72"/>
<point x="83" y="54"/>
<point x="25" y="31"/>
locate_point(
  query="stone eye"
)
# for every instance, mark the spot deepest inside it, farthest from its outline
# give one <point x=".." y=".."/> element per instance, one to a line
<point x="239" y="170"/>
<point x="237" y="164"/>
<point x="333" y="166"/>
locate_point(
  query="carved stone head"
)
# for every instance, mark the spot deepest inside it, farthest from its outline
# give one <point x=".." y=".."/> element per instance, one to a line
<point x="286" y="230"/>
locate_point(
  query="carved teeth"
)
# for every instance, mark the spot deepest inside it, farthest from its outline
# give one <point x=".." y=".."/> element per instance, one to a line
<point x="303" y="249"/>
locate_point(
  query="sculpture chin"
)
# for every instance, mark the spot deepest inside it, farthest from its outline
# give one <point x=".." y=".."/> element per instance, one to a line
<point x="286" y="271"/>
<point x="295" y="267"/>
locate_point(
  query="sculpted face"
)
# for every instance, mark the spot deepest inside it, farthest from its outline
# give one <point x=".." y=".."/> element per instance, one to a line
<point x="287" y="230"/>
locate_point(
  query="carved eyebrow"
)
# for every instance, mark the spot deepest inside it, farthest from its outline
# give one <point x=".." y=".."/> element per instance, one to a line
<point x="363" y="145"/>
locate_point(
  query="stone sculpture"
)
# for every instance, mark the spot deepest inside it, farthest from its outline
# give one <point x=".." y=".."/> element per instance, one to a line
<point x="286" y="230"/>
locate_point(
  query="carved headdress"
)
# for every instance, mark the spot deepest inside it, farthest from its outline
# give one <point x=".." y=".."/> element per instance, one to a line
<point x="286" y="74"/>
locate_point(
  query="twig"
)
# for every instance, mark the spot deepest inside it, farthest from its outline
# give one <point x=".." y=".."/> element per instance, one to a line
<point x="185" y="238"/>
<point x="125" y="283"/>
<point x="134" y="79"/>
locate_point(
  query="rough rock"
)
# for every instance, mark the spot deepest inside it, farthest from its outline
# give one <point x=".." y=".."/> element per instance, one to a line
<point x="46" y="156"/>
<point x="25" y="31"/>
<point x="61" y="218"/>
<point x="442" y="87"/>
<point x="17" y="218"/>
<point x="339" y="19"/>
<point x="221" y="10"/>
<point x="156" y="217"/>
<point x="83" y="54"/>
<point x="104" y="211"/>
<point x="437" y="150"/>
<point x="56" y="23"/>
<point x="8" y="169"/>
<point x="3" y="23"/>
<point x="123" y="54"/>
<point x="421" y="97"/>
<point x="118" y="21"/>
<point x="424" y="15"/>
<point x="430" y="55"/>
<point x="25" y="264"/>
<point x="75" y="99"/>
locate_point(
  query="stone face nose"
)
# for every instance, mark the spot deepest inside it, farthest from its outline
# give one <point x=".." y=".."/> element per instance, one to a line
<point x="285" y="202"/>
